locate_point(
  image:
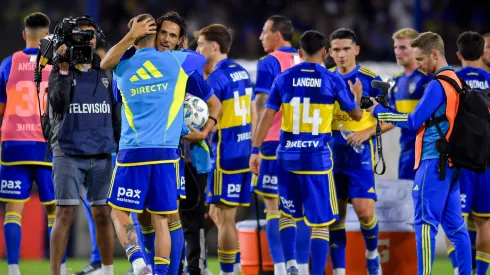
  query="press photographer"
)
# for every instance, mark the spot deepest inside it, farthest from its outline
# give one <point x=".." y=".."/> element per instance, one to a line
<point x="83" y="130"/>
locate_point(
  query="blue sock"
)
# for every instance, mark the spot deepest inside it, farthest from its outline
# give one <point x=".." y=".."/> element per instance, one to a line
<point x="370" y="233"/>
<point x="303" y="233"/>
<point x="134" y="253"/>
<point x="273" y="237"/>
<point x="319" y="249"/>
<point x="148" y="233"/>
<point x="472" y="233"/>
<point x="338" y="241"/>
<point x="12" y="230"/>
<point x="95" y="255"/>
<point x="226" y="260"/>
<point x="177" y="238"/>
<point x="141" y="238"/>
<point x="452" y="255"/>
<point x="237" y="267"/>
<point x="482" y="261"/>
<point x="287" y="228"/>
<point x="162" y="266"/>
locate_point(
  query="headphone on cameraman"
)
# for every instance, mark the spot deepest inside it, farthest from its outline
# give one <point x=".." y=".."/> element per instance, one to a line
<point x="99" y="34"/>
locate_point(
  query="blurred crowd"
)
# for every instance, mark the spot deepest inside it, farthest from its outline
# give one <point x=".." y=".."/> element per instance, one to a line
<point x="373" y="20"/>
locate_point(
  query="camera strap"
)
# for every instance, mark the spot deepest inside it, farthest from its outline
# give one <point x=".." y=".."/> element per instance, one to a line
<point x="379" y="147"/>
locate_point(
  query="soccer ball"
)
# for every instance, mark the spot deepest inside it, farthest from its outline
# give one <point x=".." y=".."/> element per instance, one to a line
<point x="196" y="111"/>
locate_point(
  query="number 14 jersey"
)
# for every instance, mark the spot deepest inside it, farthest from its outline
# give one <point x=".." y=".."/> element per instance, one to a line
<point x="307" y="93"/>
<point x="232" y="143"/>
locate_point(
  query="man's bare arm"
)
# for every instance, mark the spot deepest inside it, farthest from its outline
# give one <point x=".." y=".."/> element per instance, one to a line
<point x="260" y="100"/>
<point x="138" y="29"/>
<point x="254" y="117"/>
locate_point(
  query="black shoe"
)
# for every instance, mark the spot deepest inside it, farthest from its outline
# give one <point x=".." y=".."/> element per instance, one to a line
<point x="91" y="268"/>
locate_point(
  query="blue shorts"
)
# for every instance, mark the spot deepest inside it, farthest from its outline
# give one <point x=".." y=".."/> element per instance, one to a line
<point x="436" y="201"/>
<point x="181" y="187"/>
<point x="267" y="182"/>
<point x="406" y="164"/>
<point x="475" y="193"/>
<point x="308" y="197"/>
<point x="153" y="187"/>
<point x="236" y="188"/>
<point x="17" y="181"/>
<point x="355" y="184"/>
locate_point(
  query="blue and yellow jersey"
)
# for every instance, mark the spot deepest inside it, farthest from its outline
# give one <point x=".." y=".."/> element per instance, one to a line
<point x="404" y="96"/>
<point x="152" y="87"/>
<point x="22" y="152"/>
<point x="476" y="78"/>
<point x="341" y="117"/>
<point x="307" y="94"/>
<point x="232" y="142"/>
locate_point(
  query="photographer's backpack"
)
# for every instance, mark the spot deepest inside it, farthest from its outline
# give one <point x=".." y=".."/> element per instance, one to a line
<point x="468" y="145"/>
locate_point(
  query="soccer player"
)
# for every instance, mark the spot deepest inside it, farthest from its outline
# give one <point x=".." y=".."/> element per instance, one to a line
<point x="306" y="93"/>
<point x="404" y="95"/>
<point x="486" y="52"/>
<point x="276" y="37"/>
<point x="229" y="182"/>
<point x="353" y="171"/>
<point x="436" y="200"/>
<point x="23" y="145"/>
<point x="475" y="187"/>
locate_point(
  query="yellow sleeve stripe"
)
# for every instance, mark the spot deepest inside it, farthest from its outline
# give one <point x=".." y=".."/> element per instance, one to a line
<point x="398" y="75"/>
<point x="367" y="72"/>
<point x="179" y="94"/>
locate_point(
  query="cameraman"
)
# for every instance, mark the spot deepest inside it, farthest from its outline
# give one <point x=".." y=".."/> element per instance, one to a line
<point x="85" y="131"/>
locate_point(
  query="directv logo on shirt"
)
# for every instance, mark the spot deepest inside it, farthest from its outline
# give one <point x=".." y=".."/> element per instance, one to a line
<point x="301" y="144"/>
<point x="90" y="108"/>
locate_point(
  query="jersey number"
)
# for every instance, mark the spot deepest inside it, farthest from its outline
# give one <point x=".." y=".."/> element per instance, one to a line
<point x="241" y="107"/>
<point x="27" y="106"/>
<point x="296" y="59"/>
<point x="299" y="119"/>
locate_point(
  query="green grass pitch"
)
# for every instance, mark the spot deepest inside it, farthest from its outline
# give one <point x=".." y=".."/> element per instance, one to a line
<point x="441" y="266"/>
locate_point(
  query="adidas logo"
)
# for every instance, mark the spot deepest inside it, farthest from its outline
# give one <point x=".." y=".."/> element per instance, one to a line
<point x="416" y="188"/>
<point x="146" y="72"/>
<point x="371" y="190"/>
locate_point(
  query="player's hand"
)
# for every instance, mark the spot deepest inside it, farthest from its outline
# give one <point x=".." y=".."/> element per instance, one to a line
<point x="254" y="163"/>
<point x="195" y="135"/>
<point x="143" y="28"/>
<point x="356" y="89"/>
<point x="358" y="138"/>
<point x="64" y="66"/>
<point x="375" y="103"/>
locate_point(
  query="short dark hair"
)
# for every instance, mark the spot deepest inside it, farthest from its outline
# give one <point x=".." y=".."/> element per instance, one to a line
<point x="471" y="45"/>
<point x="173" y="17"/>
<point x="37" y="20"/>
<point x="140" y="18"/>
<point x="312" y="42"/>
<point x="219" y="34"/>
<point x="283" y="25"/>
<point x="343" y="33"/>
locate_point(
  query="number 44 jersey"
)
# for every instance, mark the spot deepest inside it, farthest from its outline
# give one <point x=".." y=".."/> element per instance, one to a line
<point x="307" y="93"/>
<point x="232" y="143"/>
